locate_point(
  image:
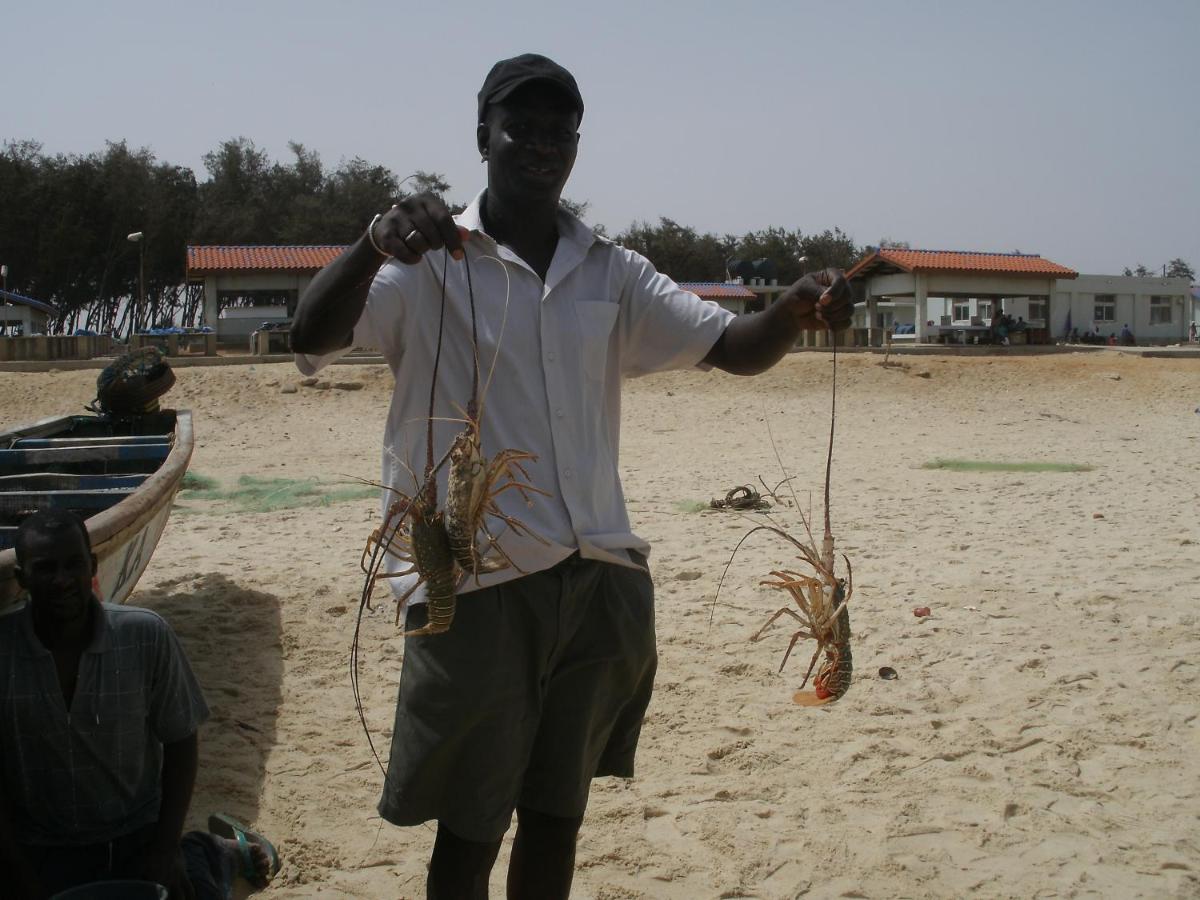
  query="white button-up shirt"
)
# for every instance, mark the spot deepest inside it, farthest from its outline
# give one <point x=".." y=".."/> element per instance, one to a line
<point x="551" y="359"/>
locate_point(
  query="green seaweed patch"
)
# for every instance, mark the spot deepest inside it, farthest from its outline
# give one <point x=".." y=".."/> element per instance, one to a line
<point x="973" y="465"/>
<point x="691" y="506"/>
<point x="258" y="495"/>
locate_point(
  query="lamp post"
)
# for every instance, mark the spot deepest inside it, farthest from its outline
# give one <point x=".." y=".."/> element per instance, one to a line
<point x="136" y="238"/>
<point x="4" y="280"/>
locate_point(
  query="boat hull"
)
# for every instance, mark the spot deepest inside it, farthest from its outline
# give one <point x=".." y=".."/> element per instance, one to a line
<point x="124" y="535"/>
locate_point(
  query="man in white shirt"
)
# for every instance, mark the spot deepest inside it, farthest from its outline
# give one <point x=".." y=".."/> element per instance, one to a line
<point x="542" y="680"/>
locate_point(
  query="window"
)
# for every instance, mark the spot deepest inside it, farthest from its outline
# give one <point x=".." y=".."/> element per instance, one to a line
<point x="1106" y="308"/>
<point x="962" y="310"/>
<point x="1037" y="310"/>
<point x="884" y="318"/>
<point x="985" y="309"/>
<point x="1160" y="310"/>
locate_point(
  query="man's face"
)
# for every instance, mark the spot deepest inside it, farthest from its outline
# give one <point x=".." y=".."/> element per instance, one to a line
<point x="530" y="141"/>
<point x="57" y="571"/>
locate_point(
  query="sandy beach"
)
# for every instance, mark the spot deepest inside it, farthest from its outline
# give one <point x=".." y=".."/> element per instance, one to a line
<point x="1041" y="739"/>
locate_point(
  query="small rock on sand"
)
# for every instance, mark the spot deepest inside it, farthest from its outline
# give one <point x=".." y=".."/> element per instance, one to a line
<point x="288" y="389"/>
<point x="310" y="381"/>
<point x="348" y="385"/>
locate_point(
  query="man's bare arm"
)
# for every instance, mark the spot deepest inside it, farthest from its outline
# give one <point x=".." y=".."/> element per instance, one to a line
<point x="332" y="303"/>
<point x="753" y="343"/>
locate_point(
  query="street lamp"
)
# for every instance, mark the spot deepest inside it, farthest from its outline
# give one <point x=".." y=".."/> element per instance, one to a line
<point x="136" y="238"/>
<point x="4" y="280"/>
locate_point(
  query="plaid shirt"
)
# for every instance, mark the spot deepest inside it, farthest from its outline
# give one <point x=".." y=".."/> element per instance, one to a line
<point x="91" y="773"/>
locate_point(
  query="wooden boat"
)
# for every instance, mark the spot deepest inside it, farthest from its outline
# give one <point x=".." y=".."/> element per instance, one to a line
<point x="120" y="473"/>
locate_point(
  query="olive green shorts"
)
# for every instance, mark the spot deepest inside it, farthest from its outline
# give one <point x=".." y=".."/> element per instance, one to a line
<point x="539" y="686"/>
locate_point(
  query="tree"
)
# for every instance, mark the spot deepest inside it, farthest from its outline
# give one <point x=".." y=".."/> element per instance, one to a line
<point x="830" y="249"/>
<point x="577" y="208"/>
<point x="678" y="251"/>
<point x="1178" y="268"/>
<point x="233" y="207"/>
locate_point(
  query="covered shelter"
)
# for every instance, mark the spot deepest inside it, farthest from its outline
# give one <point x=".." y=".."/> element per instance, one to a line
<point x="247" y="285"/>
<point x="23" y="316"/>
<point x="728" y="295"/>
<point x="952" y="292"/>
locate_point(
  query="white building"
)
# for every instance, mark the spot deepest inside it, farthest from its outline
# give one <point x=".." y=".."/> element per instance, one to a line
<point x="247" y="285"/>
<point x="1157" y="310"/>
<point x="732" y="296"/>
<point x="949" y="293"/>
<point x="23" y="316"/>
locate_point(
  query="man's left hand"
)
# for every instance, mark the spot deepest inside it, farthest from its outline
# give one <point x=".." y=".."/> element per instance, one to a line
<point x="166" y="867"/>
<point x="822" y="300"/>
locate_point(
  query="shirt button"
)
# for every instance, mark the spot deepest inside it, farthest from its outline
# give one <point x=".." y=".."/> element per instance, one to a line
<point x="551" y="356"/>
<point x="558" y="412"/>
<point x="567" y="473"/>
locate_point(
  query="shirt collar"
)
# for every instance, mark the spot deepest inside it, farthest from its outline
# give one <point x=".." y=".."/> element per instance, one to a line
<point x="574" y="237"/>
<point x="100" y="641"/>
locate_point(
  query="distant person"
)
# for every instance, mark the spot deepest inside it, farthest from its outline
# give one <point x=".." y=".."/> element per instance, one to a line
<point x="98" y="746"/>
<point x="1127" y="336"/>
<point x="999" y="328"/>
<point x="1074" y="336"/>
<point x="1192" y="332"/>
<point x="1112" y="340"/>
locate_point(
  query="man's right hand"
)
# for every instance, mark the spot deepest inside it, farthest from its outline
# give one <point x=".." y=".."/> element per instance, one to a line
<point x="416" y="225"/>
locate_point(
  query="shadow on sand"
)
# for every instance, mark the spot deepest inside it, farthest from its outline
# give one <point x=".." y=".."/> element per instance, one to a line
<point x="231" y="635"/>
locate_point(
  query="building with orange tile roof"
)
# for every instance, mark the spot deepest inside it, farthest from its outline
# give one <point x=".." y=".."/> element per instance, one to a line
<point x="929" y="281"/>
<point x="940" y="295"/>
<point x="246" y="285"/>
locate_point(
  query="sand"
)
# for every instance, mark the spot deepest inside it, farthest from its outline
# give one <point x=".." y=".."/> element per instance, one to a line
<point x="1042" y="736"/>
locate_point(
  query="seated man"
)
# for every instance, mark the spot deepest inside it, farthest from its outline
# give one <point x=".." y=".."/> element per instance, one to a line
<point x="98" y="749"/>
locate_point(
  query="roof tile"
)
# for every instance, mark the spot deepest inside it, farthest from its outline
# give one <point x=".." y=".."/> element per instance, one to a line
<point x="716" y="290"/>
<point x="963" y="261"/>
<point x="257" y="257"/>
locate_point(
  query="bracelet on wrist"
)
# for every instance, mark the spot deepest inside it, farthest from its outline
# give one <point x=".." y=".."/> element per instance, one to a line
<point x="371" y="236"/>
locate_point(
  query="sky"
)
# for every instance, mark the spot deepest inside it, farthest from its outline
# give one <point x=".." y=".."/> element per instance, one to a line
<point x="1069" y="129"/>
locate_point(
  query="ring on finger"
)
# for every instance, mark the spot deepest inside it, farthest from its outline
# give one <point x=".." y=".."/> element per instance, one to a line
<point x="412" y="234"/>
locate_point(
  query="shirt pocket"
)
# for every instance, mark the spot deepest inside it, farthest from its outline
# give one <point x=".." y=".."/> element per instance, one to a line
<point x="596" y="319"/>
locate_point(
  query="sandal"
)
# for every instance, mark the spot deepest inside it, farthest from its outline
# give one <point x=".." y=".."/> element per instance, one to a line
<point x="230" y="828"/>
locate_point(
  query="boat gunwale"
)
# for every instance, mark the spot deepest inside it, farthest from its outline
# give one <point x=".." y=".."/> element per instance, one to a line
<point x="123" y="519"/>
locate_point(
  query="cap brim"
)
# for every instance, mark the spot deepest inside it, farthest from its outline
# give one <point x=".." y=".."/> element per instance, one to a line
<point x="500" y="95"/>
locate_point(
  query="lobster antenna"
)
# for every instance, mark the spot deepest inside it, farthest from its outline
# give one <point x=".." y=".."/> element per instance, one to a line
<point x="827" y="543"/>
<point x="500" y="335"/>
<point x="437" y="356"/>
<point x="791" y="487"/>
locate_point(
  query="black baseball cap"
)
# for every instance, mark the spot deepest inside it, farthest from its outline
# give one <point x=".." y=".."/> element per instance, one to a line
<point x="509" y="74"/>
